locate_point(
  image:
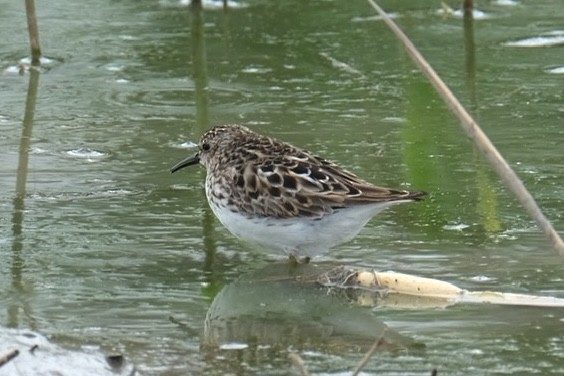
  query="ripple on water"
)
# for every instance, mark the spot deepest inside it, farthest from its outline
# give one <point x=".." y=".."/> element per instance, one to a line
<point x="25" y="63"/>
<point x="255" y="69"/>
<point x="234" y="346"/>
<point x="506" y="2"/>
<point x="549" y="39"/>
<point x="113" y="67"/>
<point x="61" y="196"/>
<point x="38" y="150"/>
<point x="456" y="226"/>
<point x="556" y="70"/>
<point x="4" y="118"/>
<point x="481" y="278"/>
<point x="374" y="18"/>
<point x="459" y="13"/>
<point x="183" y="145"/>
<point x="90" y="155"/>
<point x="207" y="4"/>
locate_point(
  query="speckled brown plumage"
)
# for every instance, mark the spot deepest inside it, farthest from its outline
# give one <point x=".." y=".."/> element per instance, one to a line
<point x="256" y="176"/>
<point x="267" y="177"/>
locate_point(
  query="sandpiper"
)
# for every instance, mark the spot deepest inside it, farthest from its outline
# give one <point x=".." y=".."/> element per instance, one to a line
<point x="284" y="198"/>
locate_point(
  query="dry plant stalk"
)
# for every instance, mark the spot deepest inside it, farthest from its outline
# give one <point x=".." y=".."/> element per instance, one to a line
<point x="33" y="32"/>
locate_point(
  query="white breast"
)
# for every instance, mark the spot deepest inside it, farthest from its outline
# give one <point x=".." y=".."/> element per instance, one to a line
<point x="300" y="236"/>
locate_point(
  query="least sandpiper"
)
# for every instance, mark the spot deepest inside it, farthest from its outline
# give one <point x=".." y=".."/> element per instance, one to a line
<point x="284" y="198"/>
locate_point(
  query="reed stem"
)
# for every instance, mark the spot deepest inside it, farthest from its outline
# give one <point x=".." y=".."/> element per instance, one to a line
<point x="33" y="32"/>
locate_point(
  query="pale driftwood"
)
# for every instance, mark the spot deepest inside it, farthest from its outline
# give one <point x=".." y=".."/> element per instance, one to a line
<point x="475" y="133"/>
<point x="408" y="291"/>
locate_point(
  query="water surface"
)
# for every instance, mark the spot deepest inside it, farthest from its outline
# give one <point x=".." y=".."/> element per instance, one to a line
<point x="104" y="250"/>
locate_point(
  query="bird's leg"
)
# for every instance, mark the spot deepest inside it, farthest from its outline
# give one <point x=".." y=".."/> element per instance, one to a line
<point x="295" y="261"/>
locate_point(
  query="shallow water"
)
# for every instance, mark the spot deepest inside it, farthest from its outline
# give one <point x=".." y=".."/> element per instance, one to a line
<point x="103" y="249"/>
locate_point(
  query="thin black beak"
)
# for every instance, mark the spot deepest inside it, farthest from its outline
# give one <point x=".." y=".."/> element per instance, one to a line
<point x="186" y="162"/>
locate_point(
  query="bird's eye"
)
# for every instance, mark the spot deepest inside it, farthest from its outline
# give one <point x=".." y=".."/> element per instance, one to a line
<point x="205" y="147"/>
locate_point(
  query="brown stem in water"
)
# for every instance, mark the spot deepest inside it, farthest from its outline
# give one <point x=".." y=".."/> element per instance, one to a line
<point x="368" y="355"/>
<point x="468" y="5"/>
<point x="33" y="32"/>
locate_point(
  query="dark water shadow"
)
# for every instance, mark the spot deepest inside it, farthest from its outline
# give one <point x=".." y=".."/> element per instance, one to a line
<point x="487" y="201"/>
<point x="19" y="303"/>
<point x="470" y="57"/>
<point x="442" y="173"/>
<point x="267" y="311"/>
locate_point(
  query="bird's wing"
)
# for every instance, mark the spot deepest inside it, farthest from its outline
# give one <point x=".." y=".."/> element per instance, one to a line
<point x="309" y="186"/>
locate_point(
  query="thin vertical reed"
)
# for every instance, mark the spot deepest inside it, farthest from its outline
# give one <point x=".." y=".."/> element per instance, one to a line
<point x="33" y="32"/>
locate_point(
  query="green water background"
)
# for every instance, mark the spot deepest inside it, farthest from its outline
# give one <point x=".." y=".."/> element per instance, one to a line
<point x="105" y="246"/>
